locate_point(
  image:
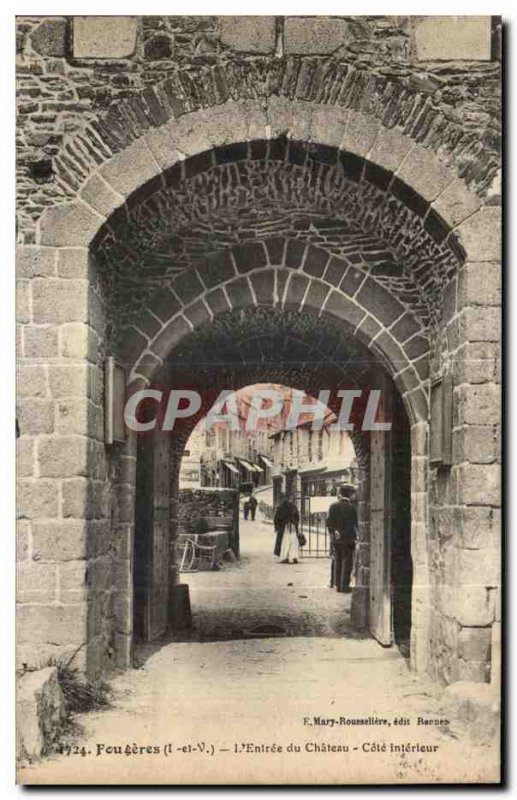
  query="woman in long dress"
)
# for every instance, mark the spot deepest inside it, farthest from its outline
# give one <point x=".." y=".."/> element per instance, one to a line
<point x="286" y="521"/>
<point x="290" y="548"/>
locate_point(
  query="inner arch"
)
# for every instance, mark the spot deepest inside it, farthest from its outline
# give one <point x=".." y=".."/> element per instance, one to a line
<point x="252" y="191"/>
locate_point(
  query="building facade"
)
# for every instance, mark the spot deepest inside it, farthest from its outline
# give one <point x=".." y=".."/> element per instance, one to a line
<point x="309" y="462"/>
<point x="227" y="454"/>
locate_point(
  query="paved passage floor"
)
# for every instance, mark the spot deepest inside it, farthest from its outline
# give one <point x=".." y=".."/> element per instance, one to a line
<point x="259" y="590"/>
<point x="316" y="706"/>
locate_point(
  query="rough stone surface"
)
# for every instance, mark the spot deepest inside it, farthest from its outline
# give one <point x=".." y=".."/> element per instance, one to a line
<point x="104" y="37"/>
<point x="424" y="172"/>
<point x="49" y="38"/>
<point x="360" y="133"/>
<point x="481" y="235"/>
<point x="479" y="284"/>
<point x="453" y="38"/>
<point x="57" y="301"/>
<point x="479" y="706"/>
<point x="75" y="112"/>
<point x="456" y="203"/>
<point x="248" y="34"/>
<point x="315" y="34"/>
<point x="136" y="163"/>
<point x="69" y="225"/>
<point x="40" y="714"/>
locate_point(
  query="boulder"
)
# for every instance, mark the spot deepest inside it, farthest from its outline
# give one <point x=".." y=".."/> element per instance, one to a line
<point x="477" y="706"/>
<point x="40" y="713"/>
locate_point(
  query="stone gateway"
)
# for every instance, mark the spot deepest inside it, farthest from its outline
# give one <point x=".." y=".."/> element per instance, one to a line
<point x="216" y="202"/>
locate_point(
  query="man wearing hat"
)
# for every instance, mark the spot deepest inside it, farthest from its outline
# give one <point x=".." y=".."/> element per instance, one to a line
<point x="342" y="525"/>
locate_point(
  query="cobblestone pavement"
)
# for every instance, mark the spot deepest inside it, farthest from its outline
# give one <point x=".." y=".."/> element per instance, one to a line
<point x="221" y="704"/>
<point x="258" y="590"/>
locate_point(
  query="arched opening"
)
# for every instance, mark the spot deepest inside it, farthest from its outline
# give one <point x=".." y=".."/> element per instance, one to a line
<point x="243" y="460"/>
<point x="315" y="185"/>
<point x="306" y="238"/>
<point x="258" y="344"/>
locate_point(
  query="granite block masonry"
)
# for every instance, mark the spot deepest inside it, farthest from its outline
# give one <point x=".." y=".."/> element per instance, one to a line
<point x="193" y="191"/>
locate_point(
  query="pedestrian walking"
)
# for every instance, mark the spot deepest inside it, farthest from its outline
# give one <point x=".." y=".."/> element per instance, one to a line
<point x="286" y="521"/>
<point x="253" y="503"/>
<point x="246" y="509"/>
<point x="342" y="526"/>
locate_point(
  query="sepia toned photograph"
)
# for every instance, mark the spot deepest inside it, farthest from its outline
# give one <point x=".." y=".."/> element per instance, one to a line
<point x="258" y="400"/>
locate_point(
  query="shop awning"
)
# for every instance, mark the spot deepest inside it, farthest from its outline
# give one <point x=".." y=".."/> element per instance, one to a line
<point x="231" y="467"/>
<point x="246" y="464"/>
<point x="257" y="468"/>
<point x="312" y="468"/>
<point x="267" y="462"/>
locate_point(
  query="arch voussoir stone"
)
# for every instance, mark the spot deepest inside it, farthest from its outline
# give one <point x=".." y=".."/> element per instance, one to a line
<point x="297" y="286"/>
<point x="148" y="365"/>
<point x="424" y="173"/>
<point x="407" y="380"/>
<point x="405" y="327"/>
<point x="250" y="256"/>
<point x="165" y="304"/>
<point x="315" y="262"/>
<point x="340" y="306"/>
<point x="133" y="343"/>
<point x="100" y="195"/>
<point x="263" y="283"/>
<point x="217" y="301"/>
<point x="197" y="313"/>
<point x="316" y="297"/>
<point x="335" y="270"/>
<point x="169" y="336"/>
<point x="276" y="247"/>
<point x="416" y="346"/>
<point x="293" y="290"/>
<point x="417" y="404"/>
<point x="217" y="268"/>
<point x="69" y="225"/>
<point x="134" y="164"/>
<point x="295" y="252"/>
<point x="163" y="146"/>
<point x="379" y="302"/>
<point x="392" y="354"/>
<point x="239" y="293"/>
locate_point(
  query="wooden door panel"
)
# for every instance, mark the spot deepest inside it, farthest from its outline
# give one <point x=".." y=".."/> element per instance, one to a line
<point x="159" y="589"/>
<point x="152" y="538"/>
<point x="380" y="572"/>
<point x="159" y="573"/>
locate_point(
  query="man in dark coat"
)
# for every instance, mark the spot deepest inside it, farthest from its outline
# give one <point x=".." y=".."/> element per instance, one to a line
<point x="252" y="503"/>
<point x="342" y="525"/>
<point x="286" y="513"/>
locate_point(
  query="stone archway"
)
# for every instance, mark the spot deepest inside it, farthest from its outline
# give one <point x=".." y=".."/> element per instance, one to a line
<point x="70" y="289"/>
<point x="307" y="349"/>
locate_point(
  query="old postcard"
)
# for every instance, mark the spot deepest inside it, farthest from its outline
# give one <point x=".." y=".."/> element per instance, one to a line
<point x="258" y="399"/>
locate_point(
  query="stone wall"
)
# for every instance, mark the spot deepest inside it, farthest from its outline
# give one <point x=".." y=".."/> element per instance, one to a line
<point x="194" y="504"/>
<point x="72" y="70"/>
<point x="465" y="516"/>
<point x="213" y="507"/>
<point x="180" y="177"/>
<point x="65" y="507"/>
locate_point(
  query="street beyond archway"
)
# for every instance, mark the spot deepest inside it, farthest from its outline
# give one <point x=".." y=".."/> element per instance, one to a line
<point x="259" y="591"/>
